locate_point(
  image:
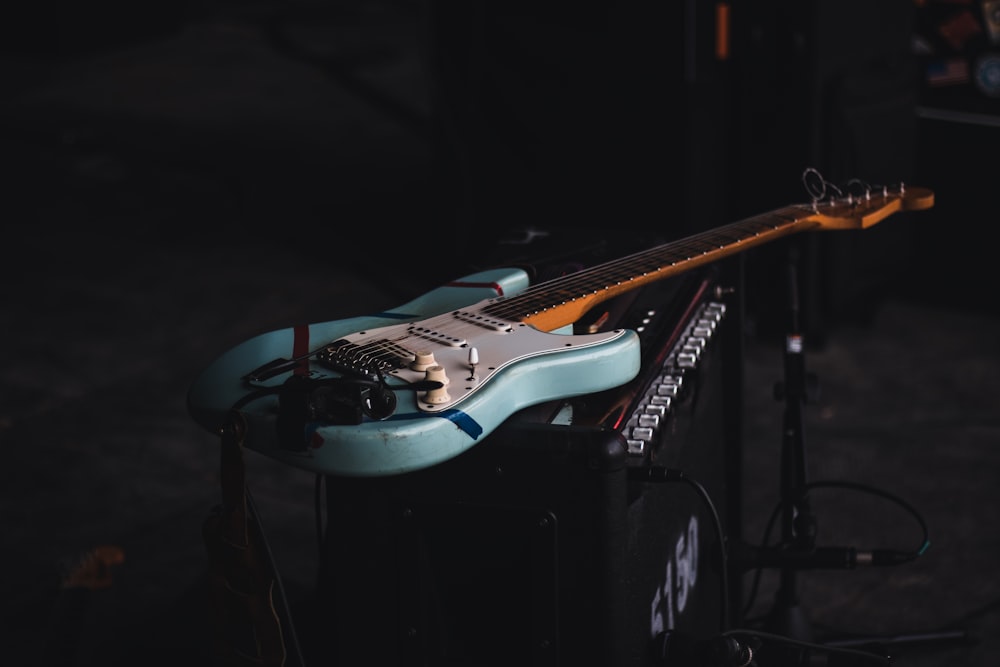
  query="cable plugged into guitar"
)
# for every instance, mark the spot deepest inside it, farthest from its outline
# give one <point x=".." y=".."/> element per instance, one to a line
<point x="338" y="401"/>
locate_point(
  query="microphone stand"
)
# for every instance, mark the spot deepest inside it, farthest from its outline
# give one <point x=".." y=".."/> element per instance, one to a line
<point x="798" y="524"/>
<point x="798" y="527"/>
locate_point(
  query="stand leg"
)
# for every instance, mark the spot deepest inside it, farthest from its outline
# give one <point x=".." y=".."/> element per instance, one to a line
<point x="787" y="617"/>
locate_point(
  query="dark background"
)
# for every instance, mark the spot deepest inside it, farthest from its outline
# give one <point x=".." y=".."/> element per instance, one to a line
<point x="184" y="176"/>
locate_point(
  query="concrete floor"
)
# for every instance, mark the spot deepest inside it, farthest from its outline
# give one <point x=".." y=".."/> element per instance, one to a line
<point x="171" y="198"/>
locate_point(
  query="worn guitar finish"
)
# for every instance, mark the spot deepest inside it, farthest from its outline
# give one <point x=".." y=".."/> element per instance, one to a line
<point x="440" y="373"/>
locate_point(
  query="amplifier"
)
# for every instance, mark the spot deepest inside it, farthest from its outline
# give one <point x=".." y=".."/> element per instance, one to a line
<point x="568" y="535"/>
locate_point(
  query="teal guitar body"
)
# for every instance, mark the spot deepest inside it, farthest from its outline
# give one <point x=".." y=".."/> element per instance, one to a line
<point x="517" y="366"/>
<point x="398" y="391"/>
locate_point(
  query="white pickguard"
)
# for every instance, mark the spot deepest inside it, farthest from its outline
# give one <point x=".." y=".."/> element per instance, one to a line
<point x="449" y="339"/>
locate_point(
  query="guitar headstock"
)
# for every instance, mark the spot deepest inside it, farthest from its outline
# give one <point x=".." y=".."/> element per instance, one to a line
<point x="861" y="212"/>
<point x="859" y="205"/>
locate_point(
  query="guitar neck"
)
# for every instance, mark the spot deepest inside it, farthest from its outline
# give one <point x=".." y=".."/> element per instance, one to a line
<point x="558" y="303"/>
<point x="563" y="301"/>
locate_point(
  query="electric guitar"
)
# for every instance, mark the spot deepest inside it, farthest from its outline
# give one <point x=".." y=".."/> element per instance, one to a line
<point x="399" y="391"/>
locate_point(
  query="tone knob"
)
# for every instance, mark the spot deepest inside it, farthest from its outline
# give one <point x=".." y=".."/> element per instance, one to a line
<point x="423" y="360"/>
<point x="440" y="395"/>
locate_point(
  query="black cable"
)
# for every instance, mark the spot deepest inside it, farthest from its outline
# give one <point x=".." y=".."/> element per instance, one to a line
<point x="253" y="396"/>
<point x="252" y="514"/>
<point x="288" y="632"/>
<point x="787" y="641"/>
<point x="755" y="584"/>
<point x="721" y="535"/>
<point x="662" y="474"/>
<point x="318" y="503"/>
<point x="864" y="488"/>
<point x="855" y="486"/>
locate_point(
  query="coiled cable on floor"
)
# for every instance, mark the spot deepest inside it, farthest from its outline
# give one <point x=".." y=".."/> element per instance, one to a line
<point x="898" y="556"/>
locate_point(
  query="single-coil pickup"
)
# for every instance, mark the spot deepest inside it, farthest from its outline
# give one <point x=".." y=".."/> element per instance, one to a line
<point x="436" y="336"/>
<point x="482" y="320"/>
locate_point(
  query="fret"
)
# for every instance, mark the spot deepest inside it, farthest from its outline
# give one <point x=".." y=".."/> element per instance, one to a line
<point x="565" y="299"/>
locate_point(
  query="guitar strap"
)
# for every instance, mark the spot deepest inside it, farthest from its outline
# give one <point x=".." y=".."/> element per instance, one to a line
<point x="242" y="576"/>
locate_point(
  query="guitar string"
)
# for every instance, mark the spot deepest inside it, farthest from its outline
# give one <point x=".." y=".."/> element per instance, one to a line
<point x="704" y="242"/>
<point x="603" y="277"/>
<point x="576" y="284"/>
<point x="583" y="282"/>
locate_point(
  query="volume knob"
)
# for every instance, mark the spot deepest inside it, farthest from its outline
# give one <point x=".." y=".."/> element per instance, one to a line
<point x="440" y="395"/>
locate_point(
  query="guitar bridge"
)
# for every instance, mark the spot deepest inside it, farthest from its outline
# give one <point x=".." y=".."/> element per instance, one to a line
<point x="369" y="360"/>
